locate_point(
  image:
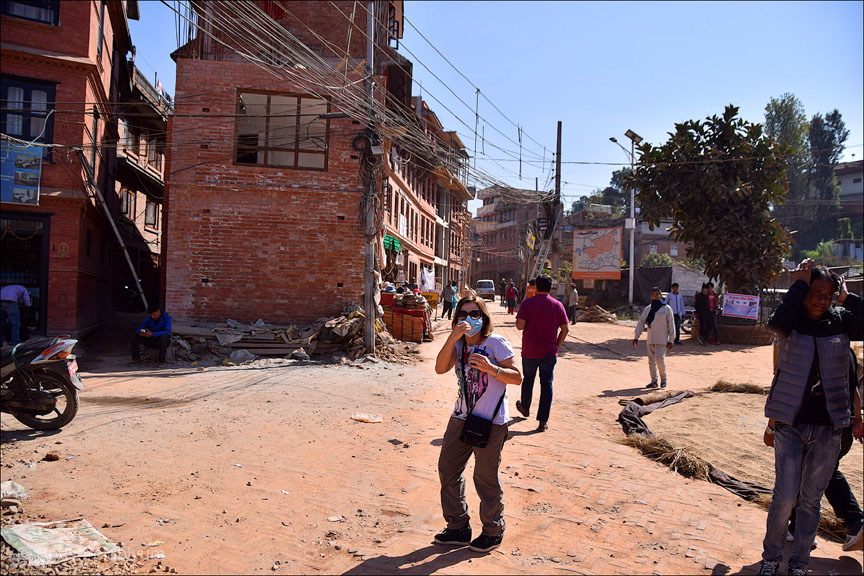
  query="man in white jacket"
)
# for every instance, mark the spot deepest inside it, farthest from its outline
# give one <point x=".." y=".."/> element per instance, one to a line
<point x="658" y="319"/>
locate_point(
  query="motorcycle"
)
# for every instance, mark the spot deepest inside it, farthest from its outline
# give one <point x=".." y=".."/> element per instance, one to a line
<point x="39" y="382"/>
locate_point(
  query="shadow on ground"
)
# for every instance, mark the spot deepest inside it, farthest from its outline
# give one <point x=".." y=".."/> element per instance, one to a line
<point x="428" y="560"/>
<point x="22" y="435"/>
<point x="818" y="565"/>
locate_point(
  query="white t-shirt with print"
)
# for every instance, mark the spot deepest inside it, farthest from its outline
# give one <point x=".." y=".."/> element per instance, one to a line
<point x="483" y="389"/>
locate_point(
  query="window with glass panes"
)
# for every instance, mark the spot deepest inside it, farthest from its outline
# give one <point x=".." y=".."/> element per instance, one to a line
<point x="151" y="215"/>
<point x="45" y="11"/>
<point x="282" y="130"/>
<point x="26" y="105"/>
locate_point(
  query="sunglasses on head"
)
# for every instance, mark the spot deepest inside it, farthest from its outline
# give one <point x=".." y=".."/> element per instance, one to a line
<point x="461" y="315"/>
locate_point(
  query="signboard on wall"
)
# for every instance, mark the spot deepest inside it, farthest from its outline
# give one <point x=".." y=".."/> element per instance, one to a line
<point x="741" y="306"/>
<point x="597" y="253"/>
<point x="20" y="172"/>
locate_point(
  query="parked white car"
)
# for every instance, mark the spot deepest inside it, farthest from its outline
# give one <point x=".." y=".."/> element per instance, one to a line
<point x="486" y="289"/>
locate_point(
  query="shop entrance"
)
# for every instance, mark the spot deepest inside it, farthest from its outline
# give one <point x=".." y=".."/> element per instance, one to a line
<point x="24" y="243"/>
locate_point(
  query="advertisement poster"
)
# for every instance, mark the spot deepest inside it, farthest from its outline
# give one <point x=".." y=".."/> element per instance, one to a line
<point x="20" y="172"/>
<point x="741" y="306"/>
<point x="597" y="253"/>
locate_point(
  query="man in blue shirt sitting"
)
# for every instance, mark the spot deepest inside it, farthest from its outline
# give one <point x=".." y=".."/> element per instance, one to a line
<point x="154" y="332"/>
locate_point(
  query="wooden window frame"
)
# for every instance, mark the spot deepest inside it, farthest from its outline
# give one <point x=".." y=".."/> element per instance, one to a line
<point x="155" y="224"/>
<point x="53" y="5"/>
<point x="127" y="197"/>
<point x="296" y="149"/>
<point x="28" y="85"/>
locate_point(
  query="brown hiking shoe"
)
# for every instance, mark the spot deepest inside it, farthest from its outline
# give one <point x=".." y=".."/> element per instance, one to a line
<point x="525" y="412"/>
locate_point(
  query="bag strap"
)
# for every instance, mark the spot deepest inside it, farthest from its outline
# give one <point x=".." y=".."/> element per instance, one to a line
<point x="463" y="382"/>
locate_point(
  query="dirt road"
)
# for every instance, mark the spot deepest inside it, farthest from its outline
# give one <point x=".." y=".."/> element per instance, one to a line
<point x="241" y="470"/>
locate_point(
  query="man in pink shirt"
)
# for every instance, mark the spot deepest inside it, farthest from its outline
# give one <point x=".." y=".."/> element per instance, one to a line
<point x="544" y="325"/>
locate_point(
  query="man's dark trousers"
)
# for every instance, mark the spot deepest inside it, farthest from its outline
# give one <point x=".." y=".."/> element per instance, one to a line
<point x="447" y="309"/>
<point x="546" y="366"/>
<point x="160" y="342"/>
<point x="677" y="318"/>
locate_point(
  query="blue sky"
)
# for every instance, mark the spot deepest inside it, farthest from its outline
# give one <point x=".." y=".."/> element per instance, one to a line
<point x="604" y="67"/>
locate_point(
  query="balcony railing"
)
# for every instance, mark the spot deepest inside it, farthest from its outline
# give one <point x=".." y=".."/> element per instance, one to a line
<point x="152" y="95"/>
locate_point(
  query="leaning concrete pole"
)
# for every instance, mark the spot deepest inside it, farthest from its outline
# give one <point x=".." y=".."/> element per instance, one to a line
<point x="369" y="228"/>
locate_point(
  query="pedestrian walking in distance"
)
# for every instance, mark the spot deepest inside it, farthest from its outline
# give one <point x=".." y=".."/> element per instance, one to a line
<point x="808" y="407"/>
<point x="572" y="303"/>
<point x="676" y="302"/>
<point x="484" y="368"/>
<point x="543" y="322"/>
<point x="511" y="299"/>
<point x="447" y="299"/>
<point x="657" y="318"/>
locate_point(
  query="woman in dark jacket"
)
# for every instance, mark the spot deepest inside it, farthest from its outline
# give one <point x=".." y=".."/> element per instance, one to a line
<point x="808" y="406"/>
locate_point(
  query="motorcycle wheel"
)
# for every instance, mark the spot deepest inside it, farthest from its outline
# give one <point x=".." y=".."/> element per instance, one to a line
<point x="65" y="409"/>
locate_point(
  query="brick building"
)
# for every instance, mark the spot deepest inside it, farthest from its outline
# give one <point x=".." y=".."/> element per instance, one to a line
<point x="262" y="205"/>
<point x="426" y="216"/>
<point x="62" y="63"/>
<point x="143" y="120"/>
<point x="505" y="226"/>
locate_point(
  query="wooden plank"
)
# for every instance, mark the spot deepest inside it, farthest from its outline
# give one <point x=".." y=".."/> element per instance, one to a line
<point x="192" y="331"/>
<point x="245" y="344"/>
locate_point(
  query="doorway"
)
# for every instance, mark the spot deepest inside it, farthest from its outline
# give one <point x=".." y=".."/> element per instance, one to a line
<point x="24" y="243"/>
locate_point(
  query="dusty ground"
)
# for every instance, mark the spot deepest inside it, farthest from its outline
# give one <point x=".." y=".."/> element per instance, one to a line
<point x="209" y="453"/>
<point x="735" y="446"/>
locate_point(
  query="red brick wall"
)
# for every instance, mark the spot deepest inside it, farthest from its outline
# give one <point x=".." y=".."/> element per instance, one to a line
<point x="72" y="36"/>
<point x="78" y="294"/>
<point x="273" y="242"/>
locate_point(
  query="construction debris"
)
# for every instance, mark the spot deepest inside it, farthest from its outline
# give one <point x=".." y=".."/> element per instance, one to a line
<point x="238" y="343"/>
<point x="596" y="314"/>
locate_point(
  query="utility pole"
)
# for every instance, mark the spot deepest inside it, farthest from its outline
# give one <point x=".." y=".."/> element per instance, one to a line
<point x="369" y="223"/>
<point x="91" y="181"/>
<point x="556" y="205"/>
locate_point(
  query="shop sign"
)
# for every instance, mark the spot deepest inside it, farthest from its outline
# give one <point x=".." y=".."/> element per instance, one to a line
<point x="431" y="298"/>
<point x="20" y="172"/>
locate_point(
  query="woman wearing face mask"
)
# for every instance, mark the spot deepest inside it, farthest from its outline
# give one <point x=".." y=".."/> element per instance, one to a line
<point x="484" y="367"/>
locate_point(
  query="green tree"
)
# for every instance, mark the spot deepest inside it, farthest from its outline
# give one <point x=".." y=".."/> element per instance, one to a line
<point x="717" y="180"/>
<point x="786" y="123"/>
<point x="656" y="261"/>
<point x="827" y="137"/>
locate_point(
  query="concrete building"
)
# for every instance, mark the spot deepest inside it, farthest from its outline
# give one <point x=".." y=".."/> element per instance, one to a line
<point x="61" y="80"/>
<point x="850" y="177"/>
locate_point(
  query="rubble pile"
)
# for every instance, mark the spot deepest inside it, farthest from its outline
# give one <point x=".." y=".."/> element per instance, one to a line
<point x="596" y="314"/>
<point x="390" y="349"/>
<point x="237" y="343"/>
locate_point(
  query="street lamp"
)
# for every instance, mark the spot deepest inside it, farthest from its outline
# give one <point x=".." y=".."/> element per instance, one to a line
<point x="634" y="139"/>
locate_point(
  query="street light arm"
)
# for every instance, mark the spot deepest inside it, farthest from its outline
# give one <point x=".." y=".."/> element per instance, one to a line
<point x="629" y="156"/>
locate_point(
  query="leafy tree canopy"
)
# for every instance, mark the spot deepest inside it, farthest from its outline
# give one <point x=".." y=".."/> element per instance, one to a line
<point x="717" y="179"/>
<point x="656" y="261"/>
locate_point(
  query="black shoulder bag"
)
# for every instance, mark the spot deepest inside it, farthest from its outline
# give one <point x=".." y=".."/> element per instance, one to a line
<point x="476" y="429"/>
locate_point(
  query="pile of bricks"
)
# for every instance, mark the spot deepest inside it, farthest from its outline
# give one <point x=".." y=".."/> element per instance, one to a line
<point x="402" y="326"/>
